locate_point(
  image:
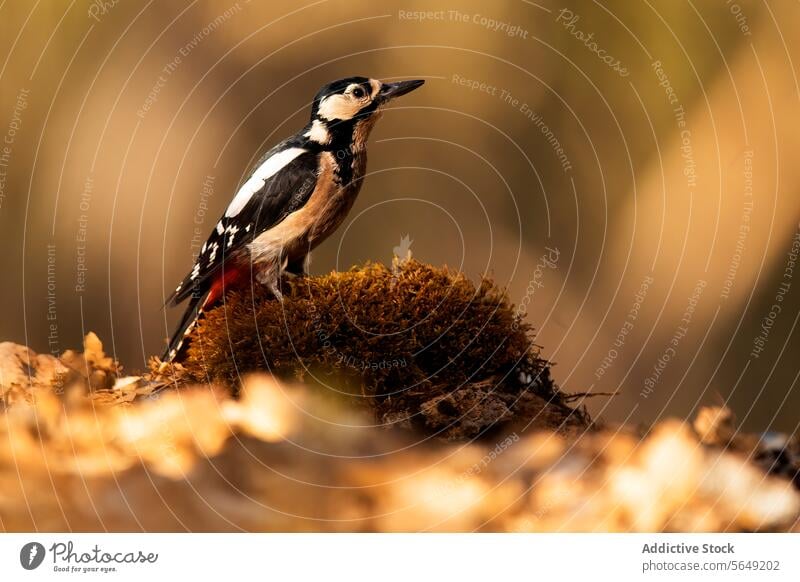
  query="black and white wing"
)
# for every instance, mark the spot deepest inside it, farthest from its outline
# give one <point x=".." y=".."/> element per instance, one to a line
<point x="280" y="184"/>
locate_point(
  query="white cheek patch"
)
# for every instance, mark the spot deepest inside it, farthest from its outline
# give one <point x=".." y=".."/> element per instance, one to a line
<point x="337" y="107"/>
<point x="376" y="86"/>
<point x="269" y="168"/>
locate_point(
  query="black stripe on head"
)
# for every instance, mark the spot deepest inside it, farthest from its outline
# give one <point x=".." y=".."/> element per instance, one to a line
<point x="337" y="87"/>
<point x="342" y="99"/>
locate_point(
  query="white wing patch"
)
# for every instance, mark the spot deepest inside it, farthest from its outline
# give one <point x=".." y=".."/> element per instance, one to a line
<point x="265" y="171"/>
<point x="214" y="249"/>
<point x="232" y="230"/>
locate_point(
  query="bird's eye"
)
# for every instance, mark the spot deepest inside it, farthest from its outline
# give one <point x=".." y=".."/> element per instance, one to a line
<point x="358" y="93"/>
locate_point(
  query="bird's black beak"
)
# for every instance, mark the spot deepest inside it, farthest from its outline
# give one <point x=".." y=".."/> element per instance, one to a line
<point x="391" y="90"/>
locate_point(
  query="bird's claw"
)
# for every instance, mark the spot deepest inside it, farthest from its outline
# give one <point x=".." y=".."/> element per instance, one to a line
<point x="273" y="286"/>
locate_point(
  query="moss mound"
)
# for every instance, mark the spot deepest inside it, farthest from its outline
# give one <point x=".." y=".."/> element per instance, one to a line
<point x="422" y="346"/>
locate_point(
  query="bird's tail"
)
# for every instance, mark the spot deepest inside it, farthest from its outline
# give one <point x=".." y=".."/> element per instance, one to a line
<point x="193" y="312"/>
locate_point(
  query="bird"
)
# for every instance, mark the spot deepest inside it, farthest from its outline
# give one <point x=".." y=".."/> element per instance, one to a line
<point x="296" y="195"/>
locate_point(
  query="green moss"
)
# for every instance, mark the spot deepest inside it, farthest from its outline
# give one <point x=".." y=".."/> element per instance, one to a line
<point x="422" y="346"/>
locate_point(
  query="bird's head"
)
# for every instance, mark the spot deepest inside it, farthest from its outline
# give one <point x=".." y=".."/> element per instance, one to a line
<point x="351" y="106"/>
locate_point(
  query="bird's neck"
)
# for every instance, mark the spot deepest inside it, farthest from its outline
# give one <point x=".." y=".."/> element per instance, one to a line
<point x="345" y="138"/>
<point x="345" y="141"/>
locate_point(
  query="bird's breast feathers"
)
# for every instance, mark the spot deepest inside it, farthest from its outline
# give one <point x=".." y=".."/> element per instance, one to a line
<point x="293" y="200"/>
<point x="322" y="213"/>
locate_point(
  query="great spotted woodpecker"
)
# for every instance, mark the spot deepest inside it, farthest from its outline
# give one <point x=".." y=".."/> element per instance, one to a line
<point x="296" y="196"/>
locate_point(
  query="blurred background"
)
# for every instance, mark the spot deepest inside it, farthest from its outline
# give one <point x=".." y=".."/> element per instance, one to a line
<point x="626" y="169"/>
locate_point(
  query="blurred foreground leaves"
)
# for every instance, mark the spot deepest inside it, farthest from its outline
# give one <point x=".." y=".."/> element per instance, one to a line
<point x="138" y="455"/>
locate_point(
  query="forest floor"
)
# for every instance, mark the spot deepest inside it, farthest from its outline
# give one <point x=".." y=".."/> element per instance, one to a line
<point x="494" y="447"/>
